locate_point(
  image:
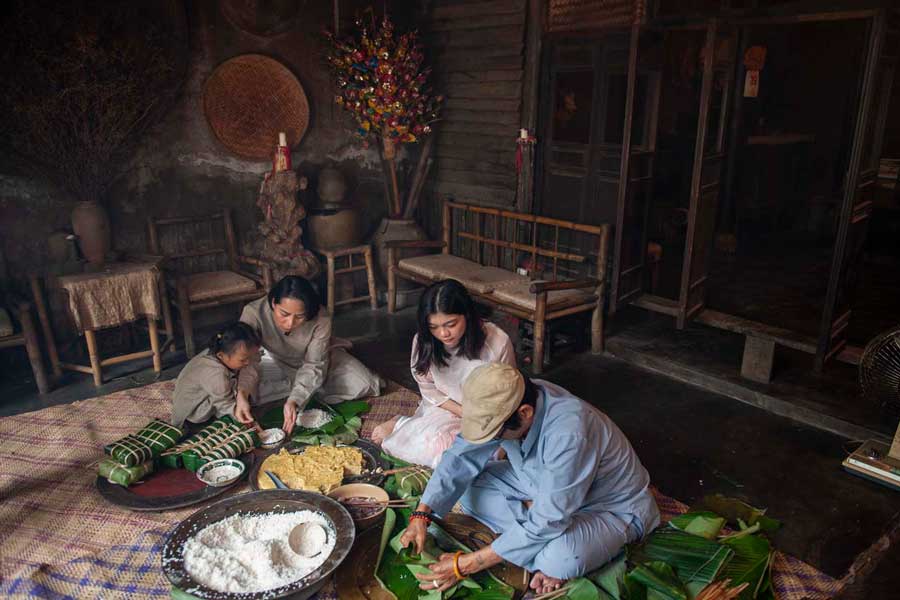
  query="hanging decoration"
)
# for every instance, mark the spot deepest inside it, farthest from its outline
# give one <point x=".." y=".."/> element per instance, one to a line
<point x="382" y="82"/>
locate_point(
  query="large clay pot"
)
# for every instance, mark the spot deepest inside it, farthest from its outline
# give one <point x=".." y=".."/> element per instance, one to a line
<point x="398" y="229"/>
<point x="328" y="229"/>
<point x="91" y="224"/>
<point x="332" y="188"/>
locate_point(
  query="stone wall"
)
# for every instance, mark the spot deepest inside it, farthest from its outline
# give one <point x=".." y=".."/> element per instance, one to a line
<point x="180" y="168"/>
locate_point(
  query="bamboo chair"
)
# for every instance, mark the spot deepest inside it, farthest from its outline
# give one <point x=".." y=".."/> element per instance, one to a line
<point x="204" y="267"/>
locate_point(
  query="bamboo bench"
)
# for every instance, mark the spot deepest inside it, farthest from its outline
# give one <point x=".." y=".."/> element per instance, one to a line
<point x="484" y="251"/>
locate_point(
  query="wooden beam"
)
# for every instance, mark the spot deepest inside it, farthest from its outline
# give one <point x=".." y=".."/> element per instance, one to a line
<point x="478" y="9"/>
<point x="466" y="22"/>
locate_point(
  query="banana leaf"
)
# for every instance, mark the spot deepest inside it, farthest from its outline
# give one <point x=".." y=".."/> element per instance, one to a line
<point x="693" y="557"/>
<point x="736" y="511"/>
<point x="660" y="578"/>
<point x="395" y="576"/>
<point x="351" y="408"/>
<point x="750" y="563"/>
<point x="705" y="524"/>
<point x="611" y="577"/>
<point x="583" y="589"/>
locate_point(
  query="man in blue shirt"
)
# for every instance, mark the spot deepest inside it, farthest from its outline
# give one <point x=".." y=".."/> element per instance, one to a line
<point x="570" y="495"/>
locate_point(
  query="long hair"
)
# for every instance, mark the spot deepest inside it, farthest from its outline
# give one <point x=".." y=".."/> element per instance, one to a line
<point x="298" y="288"/>
<point x="228" y="339"/>
<point x="449" y="297"/>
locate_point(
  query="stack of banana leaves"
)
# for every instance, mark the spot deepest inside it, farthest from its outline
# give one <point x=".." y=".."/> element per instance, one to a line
<point x="717" y="551"/>
<point x="343" y="428"/>
<point x="397" y="566"/>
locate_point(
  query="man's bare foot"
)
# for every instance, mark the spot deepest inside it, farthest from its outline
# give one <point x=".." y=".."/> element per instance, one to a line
<point x="543" y="584"/>
<point x="383" y="430"/>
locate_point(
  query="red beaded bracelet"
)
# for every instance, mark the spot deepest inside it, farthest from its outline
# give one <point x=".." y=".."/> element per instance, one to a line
<point x="420" y="515"/>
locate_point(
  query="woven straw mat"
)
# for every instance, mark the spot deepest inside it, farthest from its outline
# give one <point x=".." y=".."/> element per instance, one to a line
<point x="60" y="539"/>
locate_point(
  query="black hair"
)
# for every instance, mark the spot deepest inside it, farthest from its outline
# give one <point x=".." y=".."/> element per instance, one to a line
<point x="298" y="288"/>
<point x="449" y="297"/>
<point x="228" y="339"/>
<point x="529" y="397"/>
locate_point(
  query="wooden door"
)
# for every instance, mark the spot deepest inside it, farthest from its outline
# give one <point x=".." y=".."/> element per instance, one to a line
<point x="636" y="169"/>
<point x="859" y="184"/>
<point x="709" y="167"/>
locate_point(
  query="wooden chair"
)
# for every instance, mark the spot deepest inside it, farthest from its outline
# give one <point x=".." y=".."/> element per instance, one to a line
<point x="28" y="337"/>
<point x="204" y="267"/>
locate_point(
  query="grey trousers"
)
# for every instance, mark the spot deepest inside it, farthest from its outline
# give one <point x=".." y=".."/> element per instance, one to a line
<point x="347" y="379"/>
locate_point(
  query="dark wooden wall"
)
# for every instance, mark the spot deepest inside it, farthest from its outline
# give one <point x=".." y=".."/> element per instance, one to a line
<point x="477" y="49"/>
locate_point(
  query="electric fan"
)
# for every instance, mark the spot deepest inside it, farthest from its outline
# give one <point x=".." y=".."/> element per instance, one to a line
<point x="879" y="376"/>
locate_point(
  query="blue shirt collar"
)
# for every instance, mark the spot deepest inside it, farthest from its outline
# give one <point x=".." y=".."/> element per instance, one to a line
<point x="534" y="432"/>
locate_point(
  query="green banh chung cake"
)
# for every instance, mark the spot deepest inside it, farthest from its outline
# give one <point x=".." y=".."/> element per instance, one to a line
<point x="152" y="440"/>
<point x="223" y="438"/>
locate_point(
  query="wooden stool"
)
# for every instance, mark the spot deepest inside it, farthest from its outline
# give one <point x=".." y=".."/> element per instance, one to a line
<point x="331" y="257"/>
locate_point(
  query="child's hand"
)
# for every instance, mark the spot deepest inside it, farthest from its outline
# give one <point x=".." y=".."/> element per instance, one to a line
<point x="242" y="409"/>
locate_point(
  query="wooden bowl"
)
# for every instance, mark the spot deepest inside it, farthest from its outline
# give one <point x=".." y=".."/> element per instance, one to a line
<point x="365" y="490"/>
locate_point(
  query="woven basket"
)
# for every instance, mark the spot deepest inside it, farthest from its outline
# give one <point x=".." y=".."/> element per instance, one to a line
<point x="249" y="99"/>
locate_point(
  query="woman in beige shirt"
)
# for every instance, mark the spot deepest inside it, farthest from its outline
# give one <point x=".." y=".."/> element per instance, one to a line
<point x="301" y="359"/>
<point x="452" y="340"/>
<point x="207" y="386"/>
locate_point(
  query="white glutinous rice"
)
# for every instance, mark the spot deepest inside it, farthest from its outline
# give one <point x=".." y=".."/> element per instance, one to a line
<point x="250" y="553"/>
<point x="313" y="418"/>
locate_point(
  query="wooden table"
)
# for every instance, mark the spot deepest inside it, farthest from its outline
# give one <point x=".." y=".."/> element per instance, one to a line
<point x="131" y="291"/>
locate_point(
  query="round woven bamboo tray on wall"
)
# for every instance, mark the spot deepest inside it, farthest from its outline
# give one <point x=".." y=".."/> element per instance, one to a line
<point x="249" y="99"/>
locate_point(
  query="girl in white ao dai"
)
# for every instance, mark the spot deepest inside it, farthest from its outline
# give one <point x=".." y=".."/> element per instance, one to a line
<point x="452" y="340"/>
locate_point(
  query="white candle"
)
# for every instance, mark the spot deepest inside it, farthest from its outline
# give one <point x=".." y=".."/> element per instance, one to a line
<point x="282" y="139"/>
<point x="523" y="134"/>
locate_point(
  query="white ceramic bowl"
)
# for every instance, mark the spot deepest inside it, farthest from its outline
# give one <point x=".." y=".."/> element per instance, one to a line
<point x="272" y="438"/>
<point x="222" y="472"/>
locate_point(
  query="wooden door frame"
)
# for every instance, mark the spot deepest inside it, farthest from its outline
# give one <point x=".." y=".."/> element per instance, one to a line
<point x="831" y="329"/>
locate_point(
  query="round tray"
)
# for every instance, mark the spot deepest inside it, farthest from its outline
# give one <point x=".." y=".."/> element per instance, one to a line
<point x="167" y="489"/>
<point x="249" y="99"/>
<point x="371" y="455"/>
<point x="259" y="503"/>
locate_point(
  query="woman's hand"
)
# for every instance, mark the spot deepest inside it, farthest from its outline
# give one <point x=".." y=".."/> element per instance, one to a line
<point x="290" y="417"/>
<point x="441" y="576"/>
<point x="415" y="534"/>
<point x="242" y="409"/>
